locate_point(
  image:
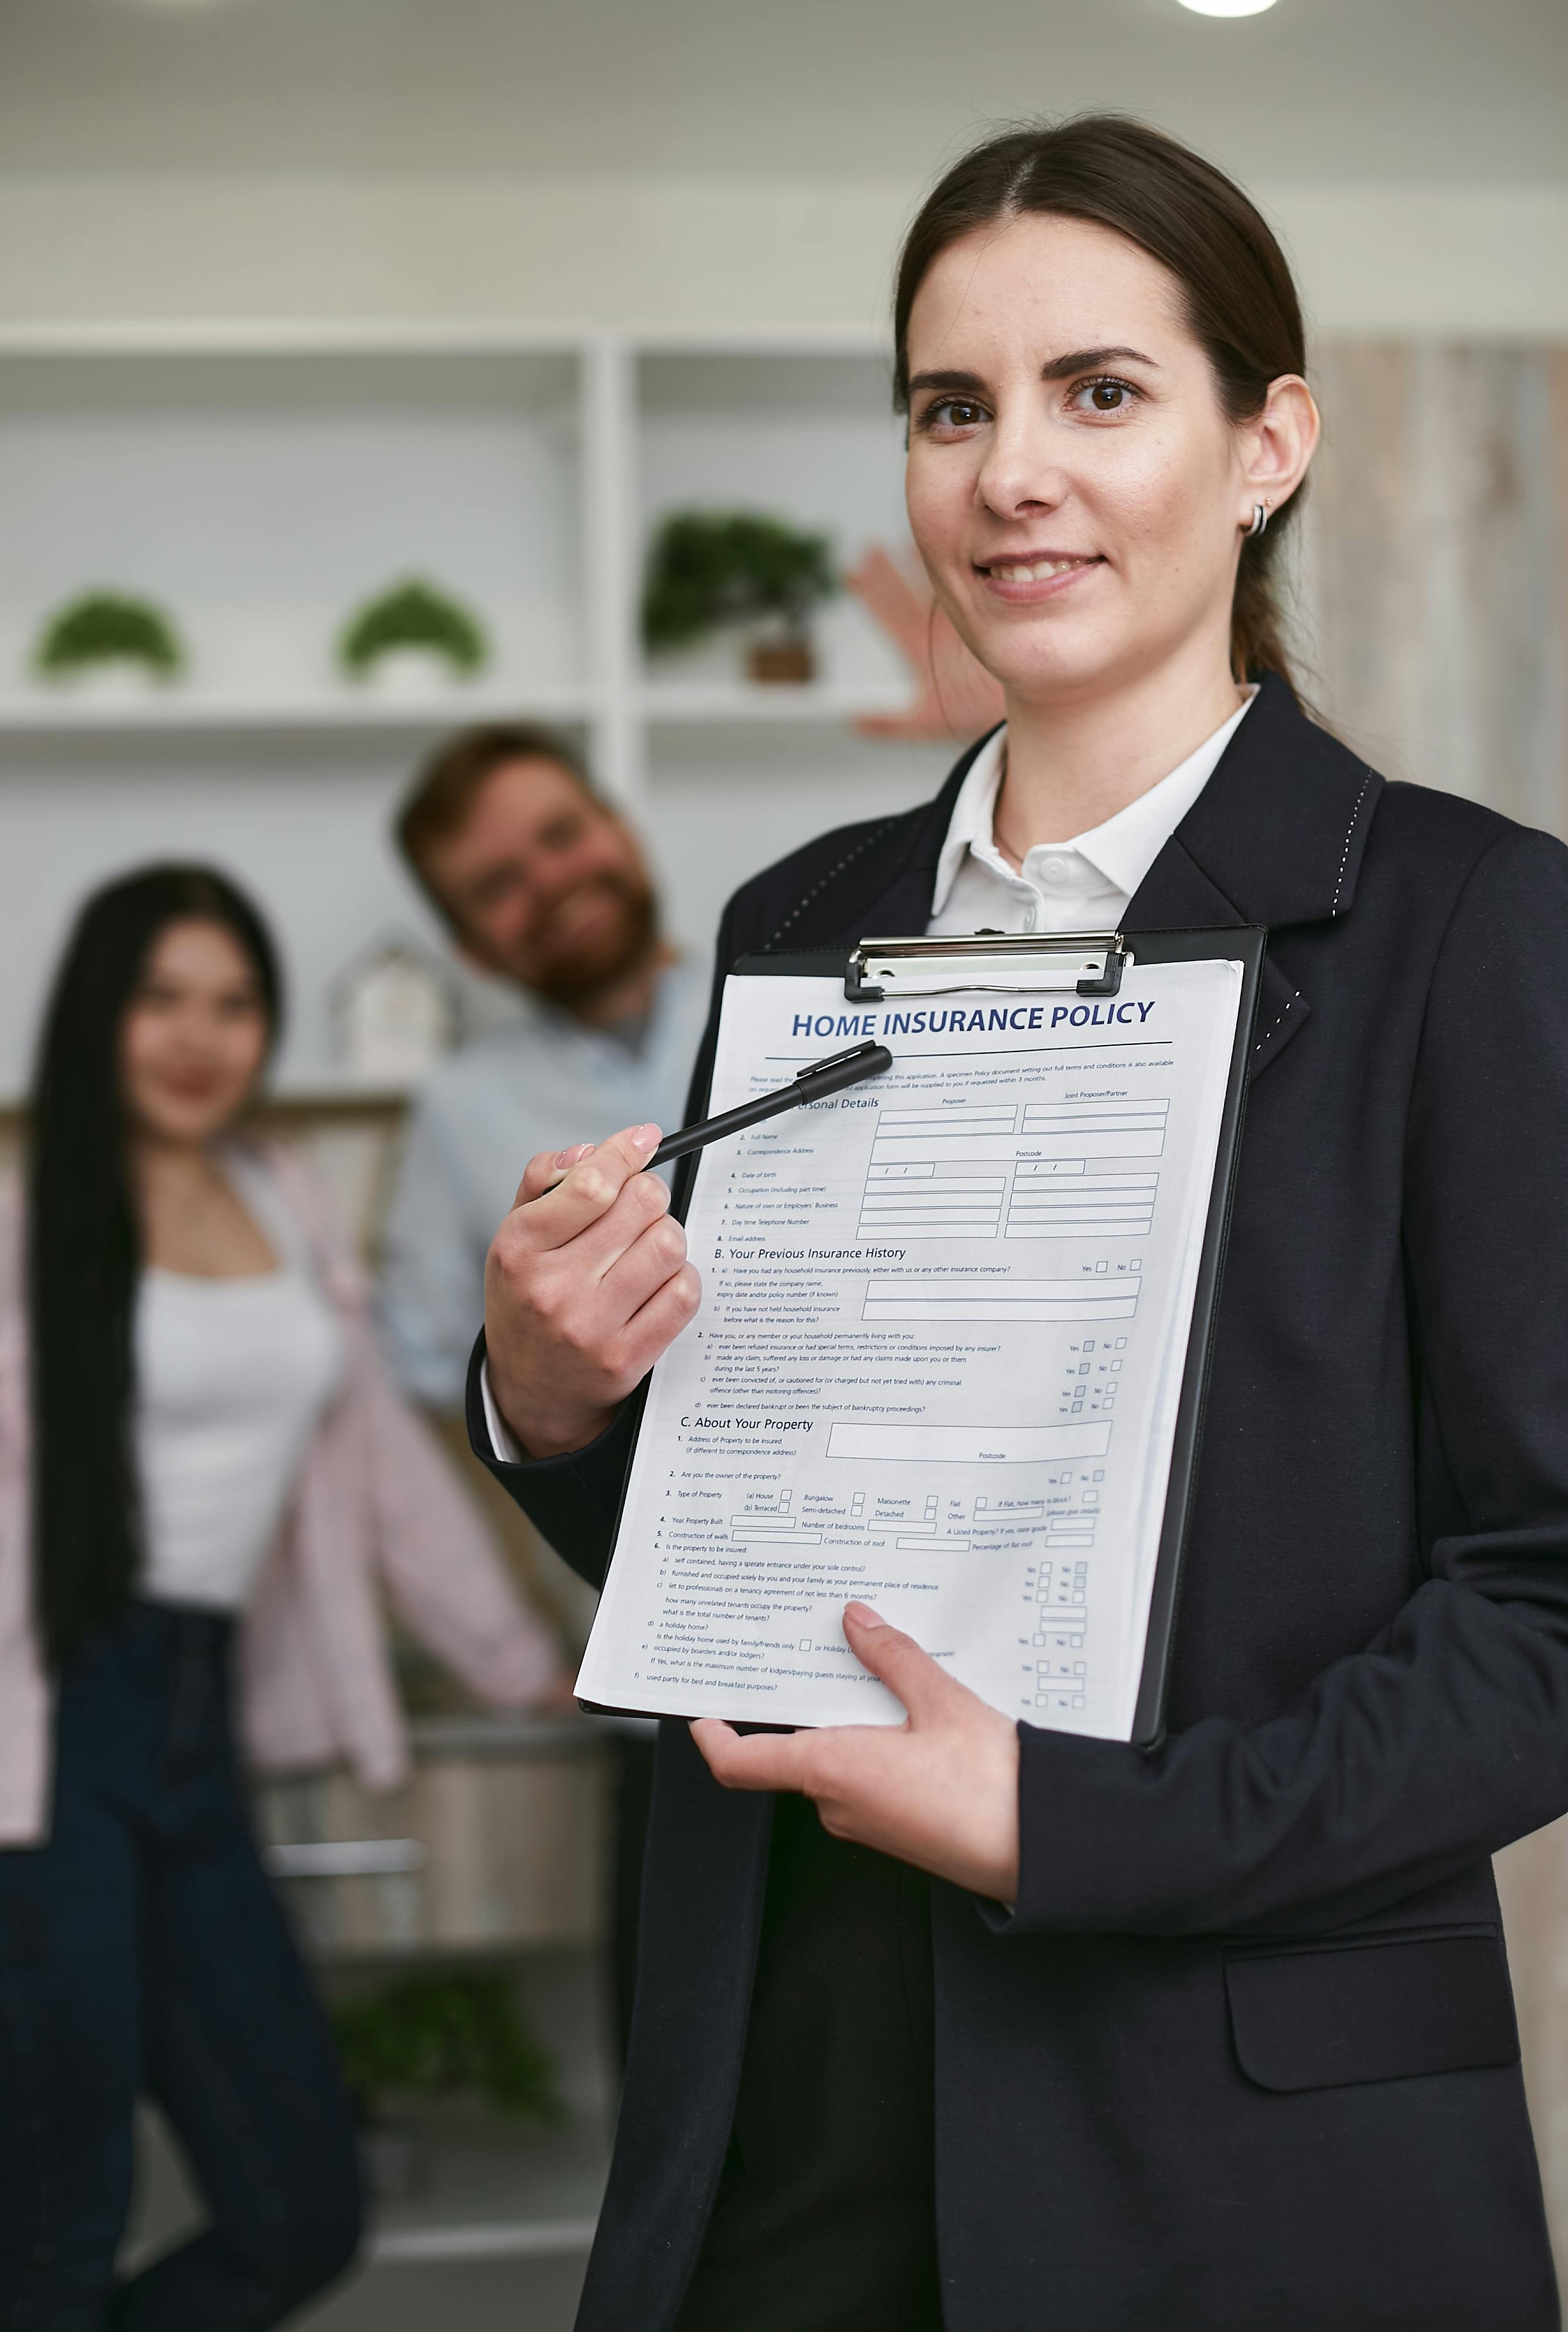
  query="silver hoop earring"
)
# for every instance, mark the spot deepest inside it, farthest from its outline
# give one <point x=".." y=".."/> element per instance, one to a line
<point x="1260" y="520"/>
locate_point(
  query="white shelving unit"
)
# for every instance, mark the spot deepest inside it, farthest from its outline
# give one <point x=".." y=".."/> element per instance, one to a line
<point x="260" y="482"/>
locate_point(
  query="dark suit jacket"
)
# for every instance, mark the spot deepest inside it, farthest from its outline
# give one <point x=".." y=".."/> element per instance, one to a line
<point x="1242" y="2059"/>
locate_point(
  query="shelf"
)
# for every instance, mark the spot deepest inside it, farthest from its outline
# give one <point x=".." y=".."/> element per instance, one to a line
<point x="241" y="368"/>
<point x="365" y="714"/>
<point x="741" y="702"/>
<point x="707" y="705"/>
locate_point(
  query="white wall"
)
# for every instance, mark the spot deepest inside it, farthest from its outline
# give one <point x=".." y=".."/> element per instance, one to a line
<point x="692" y="251"/>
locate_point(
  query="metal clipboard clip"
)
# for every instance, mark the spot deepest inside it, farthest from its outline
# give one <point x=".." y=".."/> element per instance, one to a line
<point x="1087" y="963"/>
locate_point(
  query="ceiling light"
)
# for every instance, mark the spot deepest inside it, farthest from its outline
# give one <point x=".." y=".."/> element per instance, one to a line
<point x="1227" y="7"/>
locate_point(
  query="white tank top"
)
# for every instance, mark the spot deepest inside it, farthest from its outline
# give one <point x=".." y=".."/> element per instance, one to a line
<point x="232" y="1376"/>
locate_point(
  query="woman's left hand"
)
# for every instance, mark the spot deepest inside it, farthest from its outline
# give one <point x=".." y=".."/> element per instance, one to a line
<point x="939" y="1790"/>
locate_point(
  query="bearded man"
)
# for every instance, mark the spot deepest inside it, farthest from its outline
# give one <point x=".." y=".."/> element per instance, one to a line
<point x="541" y="884"/>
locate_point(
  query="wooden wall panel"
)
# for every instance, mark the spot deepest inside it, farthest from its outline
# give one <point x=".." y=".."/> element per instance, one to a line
<point x="1434" y="591"/>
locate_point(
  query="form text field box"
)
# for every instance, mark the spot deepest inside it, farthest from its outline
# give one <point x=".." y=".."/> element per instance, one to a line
<point x="967" y="1445"/>
<point x="917" y="1227"/>
<point x="1006" y="1299"/>
<point x="960" y="1209"/>
<point x="889" y="1192"/>
<point x="969" y="1114"/>
<point x="1093" y="1227"/>
<point x="1098" y="1113"/>
<point x="1106" y="1307"/>
<point x="978" y="1149"/>
<point x="1040" y="1169"/>
<point x="1072" y="1210"/>
<point x="1071" y="1121"/>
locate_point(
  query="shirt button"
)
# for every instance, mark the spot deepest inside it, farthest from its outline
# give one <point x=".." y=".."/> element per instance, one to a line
<point x="1057" y="871"/>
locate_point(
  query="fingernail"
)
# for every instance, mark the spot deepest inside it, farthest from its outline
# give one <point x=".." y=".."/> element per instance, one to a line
<point x="575" y="1155"/>
<point x="865" y="1614"/>
<point x="646" y="1137"/>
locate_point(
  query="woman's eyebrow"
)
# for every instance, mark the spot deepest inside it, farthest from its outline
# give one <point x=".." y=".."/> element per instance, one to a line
<point x="956" y="383"/>
<point x="1085" y="360"/>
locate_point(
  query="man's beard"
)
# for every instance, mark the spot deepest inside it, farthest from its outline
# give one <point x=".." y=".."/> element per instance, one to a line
<point x="575" y="980"/>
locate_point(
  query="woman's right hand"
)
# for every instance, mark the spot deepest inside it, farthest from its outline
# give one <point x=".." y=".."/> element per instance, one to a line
<point x="585" y="1283"/>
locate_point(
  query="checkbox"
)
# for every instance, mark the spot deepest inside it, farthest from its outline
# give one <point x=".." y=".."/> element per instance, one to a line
<point x="806" y="1643"/>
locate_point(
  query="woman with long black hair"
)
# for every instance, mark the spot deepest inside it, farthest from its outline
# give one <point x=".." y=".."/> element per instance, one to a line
<point x="196" y="1441"/>
<point x="985" y="2026"/>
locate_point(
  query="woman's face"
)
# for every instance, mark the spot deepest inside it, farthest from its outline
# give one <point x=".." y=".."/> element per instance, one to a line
<point x="193" y="1036"/>
<point x="1075" y="489"/>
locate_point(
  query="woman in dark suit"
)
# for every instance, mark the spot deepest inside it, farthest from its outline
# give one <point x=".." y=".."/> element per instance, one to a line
<point x="989" y="2027"/>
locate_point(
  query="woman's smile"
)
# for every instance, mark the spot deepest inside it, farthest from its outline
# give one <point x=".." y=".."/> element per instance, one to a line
<point x="1024" y="582"/>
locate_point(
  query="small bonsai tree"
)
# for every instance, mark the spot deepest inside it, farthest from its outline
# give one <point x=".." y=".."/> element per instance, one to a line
<point x="711" y="568"/>
<point x="413" y="615"/>
<point x="440" y="2035"/>
<point x="105" y="627"/>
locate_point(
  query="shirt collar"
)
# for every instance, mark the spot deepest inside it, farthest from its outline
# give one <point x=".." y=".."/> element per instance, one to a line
<point x="1121" y="850"/>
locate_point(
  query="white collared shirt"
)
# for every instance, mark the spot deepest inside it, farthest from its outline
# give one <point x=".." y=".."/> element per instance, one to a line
<point x="1081" y="885"/>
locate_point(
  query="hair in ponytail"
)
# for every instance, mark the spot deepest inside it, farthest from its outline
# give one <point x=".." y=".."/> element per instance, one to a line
<point x="1242" y="299"/>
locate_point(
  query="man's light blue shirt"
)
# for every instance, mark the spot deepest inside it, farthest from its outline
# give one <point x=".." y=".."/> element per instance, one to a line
<point x="479" y="1118"/>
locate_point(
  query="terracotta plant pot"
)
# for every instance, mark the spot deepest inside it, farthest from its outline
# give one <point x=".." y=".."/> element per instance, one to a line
<point x="781" y="660"/>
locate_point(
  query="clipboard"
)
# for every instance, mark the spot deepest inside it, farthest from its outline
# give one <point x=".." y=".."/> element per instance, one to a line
<point x="1089" y="966"/>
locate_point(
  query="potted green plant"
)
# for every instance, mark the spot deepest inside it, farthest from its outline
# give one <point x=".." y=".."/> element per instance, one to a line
<point x="412" y="632"/>
<point x="108" y="634"/>
<point x="707" y="569"/>
<point x="423" y="2037"/>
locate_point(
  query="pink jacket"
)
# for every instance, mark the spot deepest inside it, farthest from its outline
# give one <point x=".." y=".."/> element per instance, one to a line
<point x="375" y="1509"/>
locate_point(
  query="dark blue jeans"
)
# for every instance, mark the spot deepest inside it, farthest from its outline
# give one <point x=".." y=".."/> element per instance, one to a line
<point x="142" y="1949"/>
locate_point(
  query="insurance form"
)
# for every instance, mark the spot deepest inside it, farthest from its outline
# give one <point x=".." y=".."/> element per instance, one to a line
<point x="938" y="1359"/>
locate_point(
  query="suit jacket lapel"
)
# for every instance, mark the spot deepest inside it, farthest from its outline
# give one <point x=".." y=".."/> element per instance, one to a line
<point x="1276" y="837"/>
<point x="1176" y="894"/>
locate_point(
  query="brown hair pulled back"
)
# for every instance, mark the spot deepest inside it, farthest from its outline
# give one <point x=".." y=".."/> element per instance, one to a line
<point x="1241" y="299"/>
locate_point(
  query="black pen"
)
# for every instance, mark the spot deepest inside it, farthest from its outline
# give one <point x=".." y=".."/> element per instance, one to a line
<point x="823" y="1077"/>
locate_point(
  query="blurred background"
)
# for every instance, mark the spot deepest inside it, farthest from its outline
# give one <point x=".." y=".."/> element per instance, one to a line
<point x="354" y="355"/>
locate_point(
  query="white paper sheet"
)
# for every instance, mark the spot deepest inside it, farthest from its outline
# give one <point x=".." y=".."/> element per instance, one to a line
<point x="938" y="1359"/>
